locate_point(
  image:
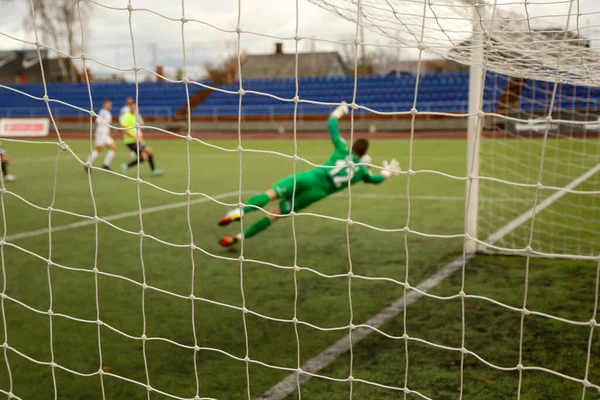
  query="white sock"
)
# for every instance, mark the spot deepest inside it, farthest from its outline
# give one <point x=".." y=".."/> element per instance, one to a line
<point x="109" y="157"/>
<point x="93" y="156"/>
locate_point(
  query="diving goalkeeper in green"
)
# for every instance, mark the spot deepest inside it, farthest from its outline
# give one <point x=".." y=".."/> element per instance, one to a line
<point x="344" y="167"/>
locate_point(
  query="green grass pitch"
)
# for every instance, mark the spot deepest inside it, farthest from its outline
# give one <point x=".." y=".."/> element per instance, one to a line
<point x="560" y="288"/>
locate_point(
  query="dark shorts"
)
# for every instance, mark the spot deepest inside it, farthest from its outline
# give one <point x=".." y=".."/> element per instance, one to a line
<point x="309" y="188"/>
<point x="134" y="147"/>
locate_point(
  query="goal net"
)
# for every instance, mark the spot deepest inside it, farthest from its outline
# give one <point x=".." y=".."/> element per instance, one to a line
<point x="539" y="85"/>
<point x="114" y="286"/>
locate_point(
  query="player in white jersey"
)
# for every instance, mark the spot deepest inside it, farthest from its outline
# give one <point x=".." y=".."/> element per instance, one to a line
<point x="102" y="135"/>
<point x="124" y="110"/>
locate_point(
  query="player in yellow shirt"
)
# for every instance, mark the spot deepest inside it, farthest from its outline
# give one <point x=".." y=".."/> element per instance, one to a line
<point x="132" y="137"/>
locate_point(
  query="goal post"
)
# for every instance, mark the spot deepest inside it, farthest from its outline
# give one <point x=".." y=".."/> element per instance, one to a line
<point x="474" y="129"/>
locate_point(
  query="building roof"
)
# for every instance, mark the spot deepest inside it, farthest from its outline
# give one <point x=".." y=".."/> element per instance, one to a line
<point x="281" y="65"/>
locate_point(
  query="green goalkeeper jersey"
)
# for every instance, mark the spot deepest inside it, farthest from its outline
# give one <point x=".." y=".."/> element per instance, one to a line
<point x="337" y="174"/>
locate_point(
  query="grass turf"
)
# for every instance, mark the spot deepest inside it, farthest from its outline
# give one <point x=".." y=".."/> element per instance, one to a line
<point x="213" y="274"/>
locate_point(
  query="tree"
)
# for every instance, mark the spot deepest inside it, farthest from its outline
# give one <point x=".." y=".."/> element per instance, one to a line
<point x="224" y="71"/>
<point x="59" y="23"/>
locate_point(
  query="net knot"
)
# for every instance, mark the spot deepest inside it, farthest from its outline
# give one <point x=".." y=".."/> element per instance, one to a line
<point x="350" y="274"/>
<point x="62" y="146"/>
<point x="83" y="57"/>
<point x="296" y="99"/>
<point x="405" y="336"/>
<point x="413" y="111"/>
<point x="183" y="20"/>
<point x="241" y="92"/>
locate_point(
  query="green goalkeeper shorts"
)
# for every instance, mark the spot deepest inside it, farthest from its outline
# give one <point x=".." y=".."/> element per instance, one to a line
<point x="310" y="187"/>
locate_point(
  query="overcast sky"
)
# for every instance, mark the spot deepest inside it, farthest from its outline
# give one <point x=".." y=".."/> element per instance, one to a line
<point x="108" y="38"/>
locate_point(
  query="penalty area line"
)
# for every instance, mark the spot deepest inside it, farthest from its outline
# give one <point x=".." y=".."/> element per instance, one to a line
<point x="290" y="383"/>
<point x="114" y="217"/>
<point x="164" y="207"/>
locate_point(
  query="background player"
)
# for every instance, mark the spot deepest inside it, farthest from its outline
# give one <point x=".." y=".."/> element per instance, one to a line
<point x="103" y="138"/>
<point x="312" y="185"/>
<point x="4" y="160"/>
<point x="124" y="110"/>
<point x="133" y="139"/>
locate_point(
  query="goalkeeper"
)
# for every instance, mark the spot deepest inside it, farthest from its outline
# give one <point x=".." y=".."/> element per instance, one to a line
<point x="312" y="185"/>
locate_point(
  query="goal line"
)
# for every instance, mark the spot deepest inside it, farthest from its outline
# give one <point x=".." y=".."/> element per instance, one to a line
<point x="289" y="384"/>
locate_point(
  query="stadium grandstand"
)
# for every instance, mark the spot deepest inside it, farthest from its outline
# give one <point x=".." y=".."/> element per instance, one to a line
<point x="444" y="92"/>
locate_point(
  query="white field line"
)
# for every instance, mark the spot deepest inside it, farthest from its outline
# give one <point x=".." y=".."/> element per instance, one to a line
<point x="289" y="384"/>
<point x="135" y="213"/>
<point x="114" y="217"/>
<point x="512" y="225"/>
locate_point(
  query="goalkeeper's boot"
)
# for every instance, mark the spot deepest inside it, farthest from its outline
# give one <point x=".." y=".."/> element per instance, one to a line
<point x="233" y="215"/>
<point x="229" y="241"/>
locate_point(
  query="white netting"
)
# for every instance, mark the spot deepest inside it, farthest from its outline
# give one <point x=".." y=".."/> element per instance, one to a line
<point x="535" y="39"/>
<point x="512" y="151"/>
<point x="513" y="46"/>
